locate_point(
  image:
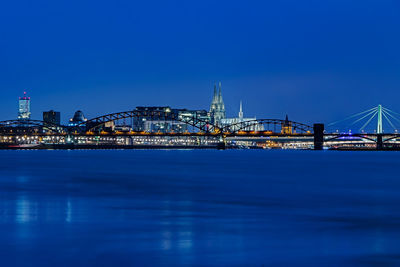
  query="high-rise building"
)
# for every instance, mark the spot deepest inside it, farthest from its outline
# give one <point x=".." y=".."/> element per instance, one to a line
<point x="52" y="117"/>
<point x="217" y="108"/>
<point x="24" y="107"/>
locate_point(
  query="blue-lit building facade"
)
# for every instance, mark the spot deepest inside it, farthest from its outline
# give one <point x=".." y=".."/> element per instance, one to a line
<point x="24" y="107"/>
<point x="152" y="123"/>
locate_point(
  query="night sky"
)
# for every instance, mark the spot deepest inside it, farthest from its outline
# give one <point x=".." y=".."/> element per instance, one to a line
<point x="314" y="60"/>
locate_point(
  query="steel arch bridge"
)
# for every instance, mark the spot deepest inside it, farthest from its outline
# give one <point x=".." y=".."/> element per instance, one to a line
<point x="201" y="125"/>
<point x="386" y="138"/>
<point x="33" y="123"/>
<point x="296" y="127"/>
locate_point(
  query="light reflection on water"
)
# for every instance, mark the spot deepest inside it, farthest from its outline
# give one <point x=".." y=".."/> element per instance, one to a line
<point x="26" y="211"/>
<point x="68" y="217"/>
<point x="218" y="208"/>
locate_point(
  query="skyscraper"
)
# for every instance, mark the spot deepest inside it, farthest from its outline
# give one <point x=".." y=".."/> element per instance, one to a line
<point x="24" y="107"/>
<point x="217" y="109"/>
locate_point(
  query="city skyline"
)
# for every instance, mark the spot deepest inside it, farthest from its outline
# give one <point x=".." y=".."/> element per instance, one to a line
<point x="199" y="133"/>
<point x="273" y="56"/>
<point x="24" y="107"/>
<point x="216" y="112"/>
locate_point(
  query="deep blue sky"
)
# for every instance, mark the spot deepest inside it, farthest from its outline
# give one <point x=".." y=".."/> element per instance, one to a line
<point x="315" y="60"/>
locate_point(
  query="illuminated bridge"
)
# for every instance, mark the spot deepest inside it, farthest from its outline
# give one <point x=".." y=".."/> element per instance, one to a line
<point x="106" y="131"/>
<point x="363" y="131"/>
<point x="116" y="130"/>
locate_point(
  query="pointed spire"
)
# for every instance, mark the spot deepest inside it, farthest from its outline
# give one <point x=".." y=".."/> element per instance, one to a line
<point x="220" y="93"/>
<point x="241" y="111"/>
<point x="287" y="118"/>
<point x="215" y="92"/>
<point x="217" y="108"/>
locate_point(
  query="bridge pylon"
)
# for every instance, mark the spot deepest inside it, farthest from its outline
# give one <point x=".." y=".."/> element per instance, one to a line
<point x="379" y="128"/>
<point x="319" y="136"/>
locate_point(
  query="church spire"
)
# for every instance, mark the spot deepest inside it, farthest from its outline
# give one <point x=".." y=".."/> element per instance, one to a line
<point x="220" y="93"/>
<point x="221" y="101"/>
<point x="241" y="111"/>
<point x="217" y="108"/>
<point x="215" y="93"/>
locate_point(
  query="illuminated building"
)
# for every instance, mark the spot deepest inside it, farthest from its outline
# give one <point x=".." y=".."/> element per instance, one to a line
<point x="150" y="121"/>
<point x="155" y="120"/>
<point x="199" y="114"/>
<point x="24" y="107"/>
<point x="241" y="123"/>
<point x="287" y="126"/>
<point x="217" y="108"/>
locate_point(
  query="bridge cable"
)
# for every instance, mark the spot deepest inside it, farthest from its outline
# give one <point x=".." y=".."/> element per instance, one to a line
<point x="391" y="124"/>
<point x="363" y="117"/>
<point x="362" y="128"/>
<point x="352" y="116"/>
<point x="393" y="117"/>
<point x="388" y="110"/>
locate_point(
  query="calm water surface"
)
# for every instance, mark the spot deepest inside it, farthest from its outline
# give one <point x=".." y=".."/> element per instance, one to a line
<point x="199" y="208"/>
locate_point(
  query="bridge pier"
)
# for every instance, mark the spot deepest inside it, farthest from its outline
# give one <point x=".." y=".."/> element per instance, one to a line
<point x="221" y="144"/>
<point x="69" y="139"/>
<point x="379" y="142"/>
<point x="318" y="136"/>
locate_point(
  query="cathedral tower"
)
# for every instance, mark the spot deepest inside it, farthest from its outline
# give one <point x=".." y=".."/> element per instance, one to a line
<point x="217" y="108"/>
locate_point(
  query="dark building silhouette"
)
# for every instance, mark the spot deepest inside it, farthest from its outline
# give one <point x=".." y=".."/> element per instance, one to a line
<point x="78" y="119"/>
<point x="52" y="117"/>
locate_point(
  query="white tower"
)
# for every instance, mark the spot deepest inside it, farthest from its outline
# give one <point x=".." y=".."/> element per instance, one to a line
<point x="241" y="111"/>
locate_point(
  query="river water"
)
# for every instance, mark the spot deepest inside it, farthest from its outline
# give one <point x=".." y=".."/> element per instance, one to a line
<point x="199" y="208"/>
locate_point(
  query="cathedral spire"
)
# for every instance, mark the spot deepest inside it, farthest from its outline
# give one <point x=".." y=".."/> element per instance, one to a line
<point x="215" y="93"/>
<point x="220" y="93"/>
<point x="217" y="108"/>
<point x="220" y="100"/>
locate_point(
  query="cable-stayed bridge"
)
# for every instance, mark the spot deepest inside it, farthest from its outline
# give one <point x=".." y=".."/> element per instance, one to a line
<point x="378" y="125"/>
<point x="366" y="118"/>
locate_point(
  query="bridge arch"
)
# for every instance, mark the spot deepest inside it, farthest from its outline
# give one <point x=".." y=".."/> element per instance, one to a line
<point x="349" y="135"/>
<point x="201" y="125"/>
<point x="390" y="138"/>
<point x="243" y="125"/>
<point x="32" y="123"/>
